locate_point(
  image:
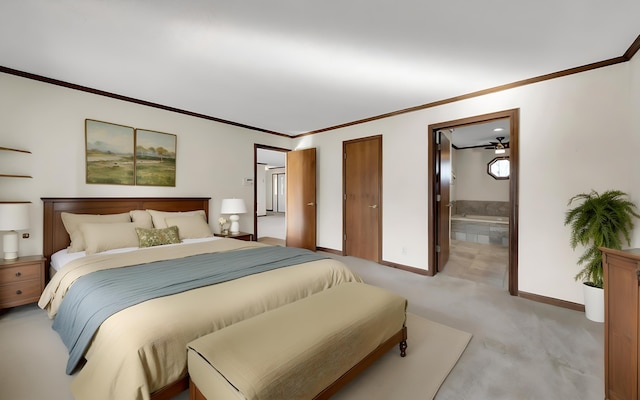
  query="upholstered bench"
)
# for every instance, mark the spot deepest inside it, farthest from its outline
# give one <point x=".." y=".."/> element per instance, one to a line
<point x="304" y="350"/>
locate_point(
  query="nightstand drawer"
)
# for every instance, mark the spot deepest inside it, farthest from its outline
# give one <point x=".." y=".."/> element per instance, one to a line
<point x="20" y="273"/>
<point x="15" y="294"/>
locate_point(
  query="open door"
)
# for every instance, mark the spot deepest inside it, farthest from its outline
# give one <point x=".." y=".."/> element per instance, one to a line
<point x="443" y="199"/>
<point x="301" y="199"/>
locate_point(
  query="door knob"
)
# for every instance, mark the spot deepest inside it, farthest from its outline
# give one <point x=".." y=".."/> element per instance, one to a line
<point x="311" y="204"/>
<point x="373" y="206"/>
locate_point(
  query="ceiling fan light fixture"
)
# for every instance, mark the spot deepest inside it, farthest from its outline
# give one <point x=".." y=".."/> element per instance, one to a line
<point x="498" y="147"/>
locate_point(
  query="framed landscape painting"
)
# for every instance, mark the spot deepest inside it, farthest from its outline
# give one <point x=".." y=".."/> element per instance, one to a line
<point x="155" y="158"/>
<point x="109" y="153"/>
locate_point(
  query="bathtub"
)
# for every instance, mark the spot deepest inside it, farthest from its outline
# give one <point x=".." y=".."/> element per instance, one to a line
<point x="483" y="229"/>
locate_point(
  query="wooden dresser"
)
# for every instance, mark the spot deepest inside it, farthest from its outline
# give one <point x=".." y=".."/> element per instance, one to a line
<point x="21" y="280"/>
<point x="621" y="316"/>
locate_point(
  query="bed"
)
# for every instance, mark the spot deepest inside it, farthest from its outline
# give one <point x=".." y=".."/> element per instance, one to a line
<point x="140" y="351"/>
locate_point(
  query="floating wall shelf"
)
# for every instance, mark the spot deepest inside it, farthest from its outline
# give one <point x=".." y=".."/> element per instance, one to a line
<point x="13" y="175"/>
<point x="17" y="150"/>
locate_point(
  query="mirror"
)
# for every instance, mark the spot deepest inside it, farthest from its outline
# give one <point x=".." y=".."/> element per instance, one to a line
<point x="498" y="168"/>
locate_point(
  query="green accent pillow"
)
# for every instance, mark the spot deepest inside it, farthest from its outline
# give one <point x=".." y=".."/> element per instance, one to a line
<point x="156" y="237"/>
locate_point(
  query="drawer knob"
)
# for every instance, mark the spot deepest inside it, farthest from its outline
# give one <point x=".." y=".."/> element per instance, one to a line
<point x="18" y="274"/>
<point x="18" y="291"/>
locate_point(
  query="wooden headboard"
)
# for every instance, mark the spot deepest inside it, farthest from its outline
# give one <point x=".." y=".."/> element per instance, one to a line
<point x="56" y="237"/>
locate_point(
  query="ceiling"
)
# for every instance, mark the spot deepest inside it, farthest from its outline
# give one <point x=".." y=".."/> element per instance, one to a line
<point x="480" y="134"/>
<point x="271" y="158"/>
<point x="462" y="137"/>
<point x="295" y="66"/>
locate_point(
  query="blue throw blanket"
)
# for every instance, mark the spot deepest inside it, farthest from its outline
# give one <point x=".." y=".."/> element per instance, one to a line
<point x="95" y="297"/>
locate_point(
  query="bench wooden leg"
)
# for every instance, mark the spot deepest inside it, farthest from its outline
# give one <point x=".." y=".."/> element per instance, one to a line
<point x="403" y="342"/>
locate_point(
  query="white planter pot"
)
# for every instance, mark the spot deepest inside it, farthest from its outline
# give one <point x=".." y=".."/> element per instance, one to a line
<point x="594" y="303"/>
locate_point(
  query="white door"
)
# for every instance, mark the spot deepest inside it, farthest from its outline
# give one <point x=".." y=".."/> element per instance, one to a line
<point x="274" y="192"/>
<point x="261" y="191"/>
<point x="282" y="183"/>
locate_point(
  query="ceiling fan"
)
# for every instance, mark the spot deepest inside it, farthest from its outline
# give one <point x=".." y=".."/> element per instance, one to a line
<point x="498" y="146"/>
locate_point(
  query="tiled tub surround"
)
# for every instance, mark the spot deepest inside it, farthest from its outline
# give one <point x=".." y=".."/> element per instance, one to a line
<point x="478" y="207"/>
<point x="483" y="229"/>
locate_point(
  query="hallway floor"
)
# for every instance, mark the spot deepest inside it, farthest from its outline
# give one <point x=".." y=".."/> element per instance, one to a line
<point x="482" y="263"/>
<point x="272" y="225"/>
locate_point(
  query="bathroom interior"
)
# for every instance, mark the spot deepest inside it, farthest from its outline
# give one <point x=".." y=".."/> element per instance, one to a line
<point x="479" y="209"/>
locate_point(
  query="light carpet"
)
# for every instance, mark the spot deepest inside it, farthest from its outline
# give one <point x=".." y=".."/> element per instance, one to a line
<point x="433" y="350"/>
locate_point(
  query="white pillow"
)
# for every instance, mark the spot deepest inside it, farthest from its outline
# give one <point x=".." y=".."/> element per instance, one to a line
<point x="190" y="226"/>
<point x="102" y="237"/>
<point x="72" y="225"/>
<point x="141" y="218"/>
<point x="158" y="217"/>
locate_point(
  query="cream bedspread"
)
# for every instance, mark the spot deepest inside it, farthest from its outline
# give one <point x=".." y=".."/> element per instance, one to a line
<point x="143" y="348"/>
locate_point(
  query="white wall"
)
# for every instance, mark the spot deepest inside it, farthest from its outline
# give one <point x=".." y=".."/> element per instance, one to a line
<point x="472" y="180"/>
<point x="48" y="120"/>
<point x="575" y="133"/>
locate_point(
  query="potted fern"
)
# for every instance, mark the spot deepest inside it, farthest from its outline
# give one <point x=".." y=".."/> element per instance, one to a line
<point x="598" y="220"/>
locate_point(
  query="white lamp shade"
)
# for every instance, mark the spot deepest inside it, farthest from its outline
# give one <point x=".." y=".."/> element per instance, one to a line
<point x="14" y="216"/>
<point x="233" y="206"/>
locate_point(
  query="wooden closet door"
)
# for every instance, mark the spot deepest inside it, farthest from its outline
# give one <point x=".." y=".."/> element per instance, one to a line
<point x="621" y="325"/>
<point x="362" y="166"/>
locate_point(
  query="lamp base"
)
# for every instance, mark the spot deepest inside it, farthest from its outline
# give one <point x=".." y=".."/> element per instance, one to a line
<point x="235" y="225"/>
<point x="10" y="245"/>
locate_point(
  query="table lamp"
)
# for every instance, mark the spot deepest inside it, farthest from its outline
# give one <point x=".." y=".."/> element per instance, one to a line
<point x="234" y="207"/>
<point x="14" y="216"/>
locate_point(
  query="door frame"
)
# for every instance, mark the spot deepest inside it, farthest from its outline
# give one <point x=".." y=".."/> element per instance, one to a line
<point x="344" y="193"/>
<point x="514" y="157"/>
<point x="257" y="146"/>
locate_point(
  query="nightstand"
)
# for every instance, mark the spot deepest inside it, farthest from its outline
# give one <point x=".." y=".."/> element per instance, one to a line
<point x="240" y="236"/>
<point x="21" y="280"/>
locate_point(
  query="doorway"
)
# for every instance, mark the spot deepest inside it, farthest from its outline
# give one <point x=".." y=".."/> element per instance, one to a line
<point x="438" y="180"/>
<point x="269" y="194"/>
